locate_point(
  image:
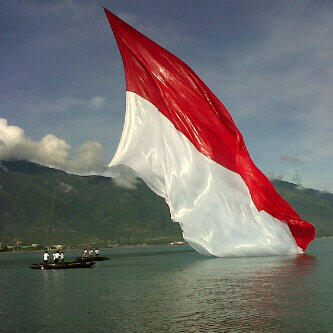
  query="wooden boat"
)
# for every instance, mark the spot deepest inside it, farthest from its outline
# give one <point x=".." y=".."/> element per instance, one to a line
<point x="87" y="259"/>
<point x="63" y="265"/>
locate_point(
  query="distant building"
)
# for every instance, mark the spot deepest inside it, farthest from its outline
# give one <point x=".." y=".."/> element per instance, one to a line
<point x="178" y="243"/>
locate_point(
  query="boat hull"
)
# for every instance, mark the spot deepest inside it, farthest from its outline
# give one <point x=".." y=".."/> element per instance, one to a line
<point x="83" y="259"/>
<point x="65" y="265"/>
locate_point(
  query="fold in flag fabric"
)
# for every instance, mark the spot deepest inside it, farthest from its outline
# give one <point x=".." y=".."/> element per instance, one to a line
<point x="181" y="140"/>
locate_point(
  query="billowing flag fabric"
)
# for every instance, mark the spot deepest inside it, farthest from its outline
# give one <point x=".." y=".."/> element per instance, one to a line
<point x="181" y="140"/>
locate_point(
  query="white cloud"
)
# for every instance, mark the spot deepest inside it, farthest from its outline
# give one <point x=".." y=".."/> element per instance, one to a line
<point x="65" y="104"/>
<point x="14" y="142"/>
<point x="61" y="105"/>
<point x="128" y="183"/>
<point x="97" y="102"/>
<point x="50" y="151"/>
<point x="89" y="156"/>
<point x="124" y="176"/>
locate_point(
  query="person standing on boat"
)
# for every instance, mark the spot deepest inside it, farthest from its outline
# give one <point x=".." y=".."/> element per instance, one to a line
<point x="85" y="253"/>
<point x="97" y="252"/>
<point x="62" y="257"/>
<point x="56" y="256"/>
<point x="46" y="257"/>
<point x="91" y="252"/>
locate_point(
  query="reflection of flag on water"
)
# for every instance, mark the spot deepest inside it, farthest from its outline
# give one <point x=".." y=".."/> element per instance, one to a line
<point x="181" y="140"/>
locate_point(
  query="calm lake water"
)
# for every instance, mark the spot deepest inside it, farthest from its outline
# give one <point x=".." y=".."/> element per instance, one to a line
<point x="170" y="289"/>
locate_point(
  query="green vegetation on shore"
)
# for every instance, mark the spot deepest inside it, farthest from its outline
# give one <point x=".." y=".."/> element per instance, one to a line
<point x="47" y="206"/>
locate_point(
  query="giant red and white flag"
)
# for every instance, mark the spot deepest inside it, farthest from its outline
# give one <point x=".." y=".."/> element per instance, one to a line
<point x="181" y="140"/>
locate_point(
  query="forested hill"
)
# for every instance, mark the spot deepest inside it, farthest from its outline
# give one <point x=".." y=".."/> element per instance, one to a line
<point x="44" y="205"/>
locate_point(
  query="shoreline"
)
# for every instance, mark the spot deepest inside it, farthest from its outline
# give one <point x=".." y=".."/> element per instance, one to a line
<point x="120" y="246"/>
<point x="101" y="247"/>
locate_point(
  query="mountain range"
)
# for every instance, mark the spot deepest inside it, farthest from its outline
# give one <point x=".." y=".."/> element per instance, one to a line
<point x="43" y="205"/>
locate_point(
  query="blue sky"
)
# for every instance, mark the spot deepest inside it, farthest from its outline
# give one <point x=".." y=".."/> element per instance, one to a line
<point x="269" y="62"/>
